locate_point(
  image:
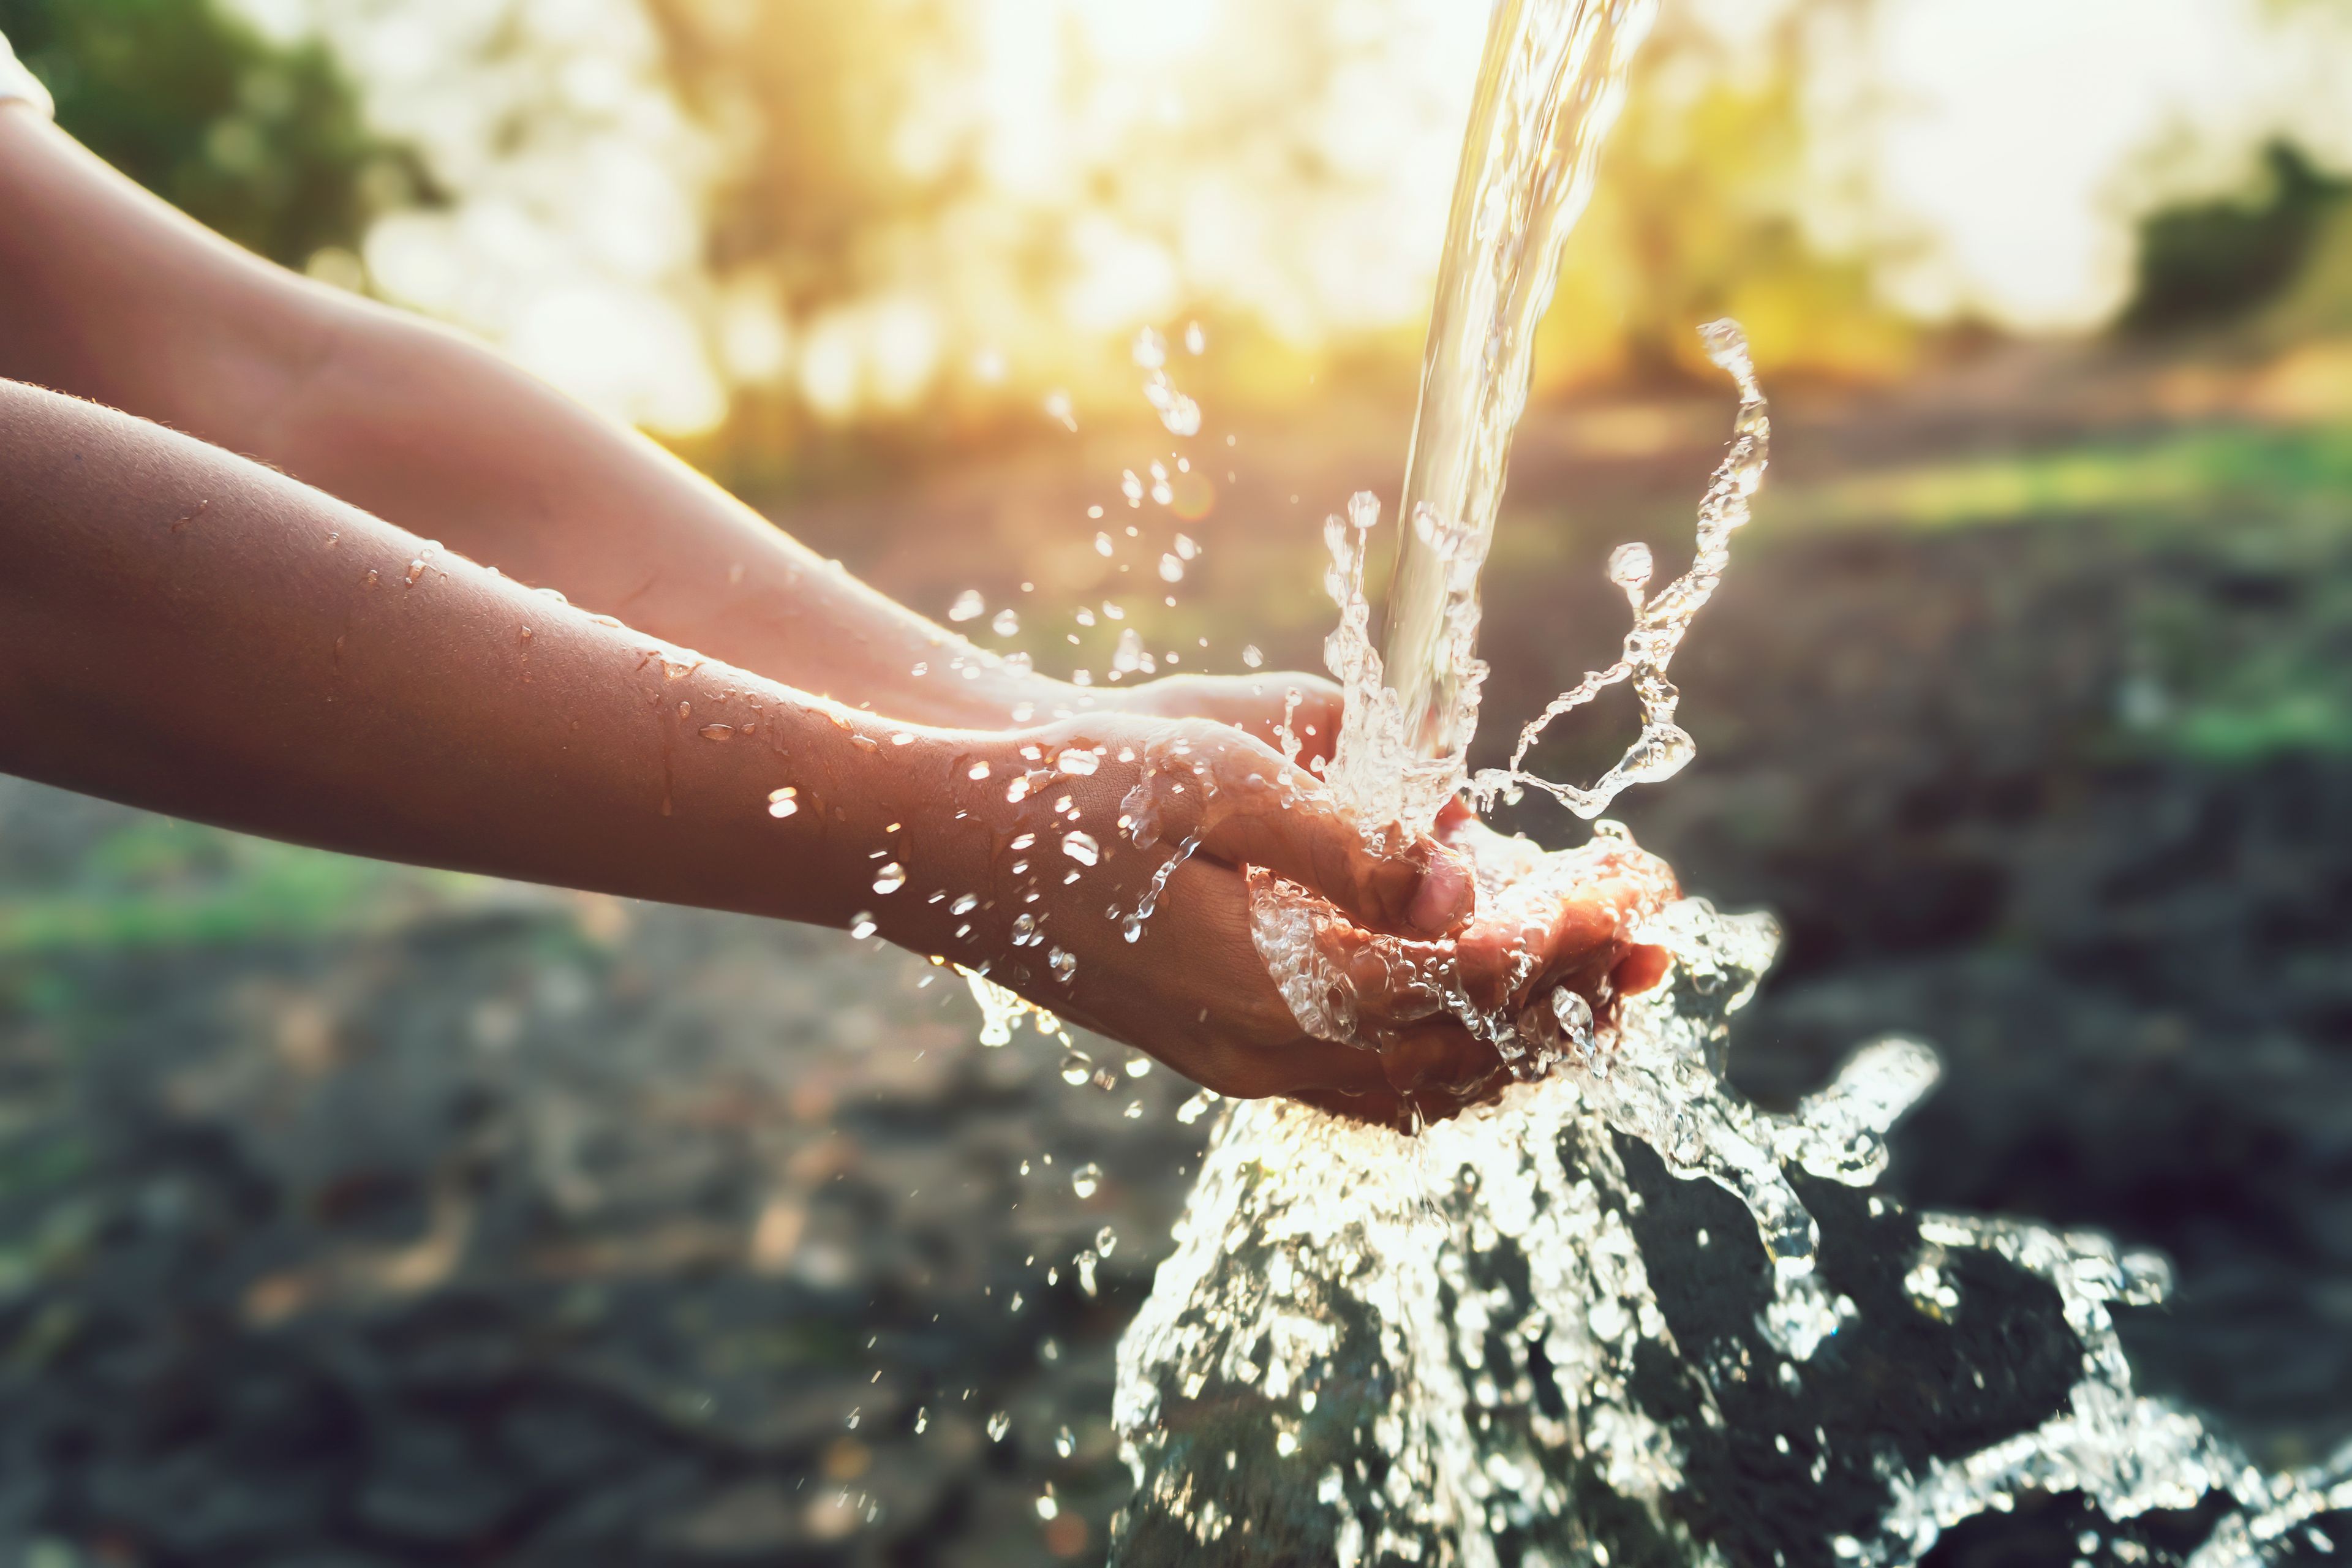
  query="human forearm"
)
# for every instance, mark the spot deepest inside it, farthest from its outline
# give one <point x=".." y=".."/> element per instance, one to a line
<point x="191" y="633"/>
<point x="182" y="630"/>
<point x="108" y="293"/>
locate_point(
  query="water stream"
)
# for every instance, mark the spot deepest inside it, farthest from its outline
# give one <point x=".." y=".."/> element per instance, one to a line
<point x="1619" y="1315"/>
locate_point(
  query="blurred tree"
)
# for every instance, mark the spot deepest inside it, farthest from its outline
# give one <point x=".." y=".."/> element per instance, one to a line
<point x="955" y="207"/>
<point x="1698" y="215"/>
<point x="2208" y="262"/>
<point x="260" y="143"/>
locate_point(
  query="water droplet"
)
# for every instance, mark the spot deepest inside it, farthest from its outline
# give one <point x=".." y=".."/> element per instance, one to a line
<point x="922" y="1419"/>
<point x="1185" y="547"/>
<point x="1063" y="965"/>
<point x="1065" y="1444"/>
<point x="717" y="732"/>
<point x="1575" y="1015"/>
<point x="998" y="1425"/>
<point x="1103" y="545"/>
<point x="1193" y="1110"/>
<point x="900" y="738"/>
<point x="1139" y="1066"/>
<point x="968" y="605"/>
<point x="1087" y="1180"/>
<point x="964" y="904"/>
<point x="1106" y="1241"/>
<point x="1058" y="408"/>
<point x="783" y="802"/>
<point x="890" y="878"/>
<point x="1025" y="932"/>
<point x="1629" y="567"/>
<point x="1252" y="657"/>
<point x="1006" y="624"/>
<point x="1196" y="340"/>
<point x="1134" y="1111"/>
<point x="1129" y="656"/>
<point x="1130" y="486"/>
<point x="1081" y="846"/>
<point x="1151" y="350"/>
<point x="1170" y="569"/>
<point x="861" y="925"/>
<point x="1022" y="841"/>
<point x="1077" y="1067"/>
<point x="1179" y="415"/>
<point x="1078" y="759"/>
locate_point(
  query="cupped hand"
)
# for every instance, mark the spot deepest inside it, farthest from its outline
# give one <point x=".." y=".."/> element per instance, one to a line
<point x="1545" y="924"/>
<point x="1035" y="854"/>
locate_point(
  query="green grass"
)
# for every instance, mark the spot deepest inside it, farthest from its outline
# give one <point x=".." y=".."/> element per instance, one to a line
<point x="2245" y="683"/>
<point x="2202" y="474"/>
<point x="159" y="883"/>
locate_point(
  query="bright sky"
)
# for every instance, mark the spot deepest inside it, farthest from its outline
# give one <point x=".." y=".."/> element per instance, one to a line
<point x="2022" y="135"/>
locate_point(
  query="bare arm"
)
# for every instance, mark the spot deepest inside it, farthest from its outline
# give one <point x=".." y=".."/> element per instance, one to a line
<point x="187" y="631"/>
<point x="108" y="293"/>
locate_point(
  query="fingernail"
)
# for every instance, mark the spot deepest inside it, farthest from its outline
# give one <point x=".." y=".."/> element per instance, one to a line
<point x="1445" y="896"/>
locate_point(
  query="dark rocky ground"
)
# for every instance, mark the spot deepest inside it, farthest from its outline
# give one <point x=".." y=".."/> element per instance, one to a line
<point x="353" y="1217"/>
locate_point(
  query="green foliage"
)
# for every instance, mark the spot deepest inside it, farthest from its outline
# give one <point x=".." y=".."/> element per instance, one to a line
<point x="2183" y="480"/>
<point x="2211" y="262"/>
<point x="2242" y="631"/>
<point x="262" y="143"/>
<point x="1696" y="216"/>
<point x="161" y="883"/>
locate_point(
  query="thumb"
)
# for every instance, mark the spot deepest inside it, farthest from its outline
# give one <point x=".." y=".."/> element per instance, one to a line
<point x="1300" y="833"/>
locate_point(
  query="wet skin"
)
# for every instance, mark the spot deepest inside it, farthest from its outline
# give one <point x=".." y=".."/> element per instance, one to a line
<point x="188" y="631"/>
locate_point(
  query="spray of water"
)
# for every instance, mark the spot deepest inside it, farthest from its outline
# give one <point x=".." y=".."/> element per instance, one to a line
<point x="1620" y="1314"/>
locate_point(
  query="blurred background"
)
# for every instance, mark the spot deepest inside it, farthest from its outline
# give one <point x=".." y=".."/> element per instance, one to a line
<point x="352" y="1216"/>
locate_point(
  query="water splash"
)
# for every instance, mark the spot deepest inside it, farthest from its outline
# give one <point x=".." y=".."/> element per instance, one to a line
<point x="1549" y="89"/>
<point x="1660" y="620"/>
<point x="1620" y="1314"/>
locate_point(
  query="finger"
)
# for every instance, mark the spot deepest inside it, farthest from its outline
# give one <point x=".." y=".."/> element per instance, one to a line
<point x="1387" y="981"/>
<point x="1439" y="1061"/>
<point x="1423" y="889"/>
<point x="1642" y="967"/>
<point x="1578" y="942"/>
<point x="1262" y="706"/>
<point x="1251" y="807"/>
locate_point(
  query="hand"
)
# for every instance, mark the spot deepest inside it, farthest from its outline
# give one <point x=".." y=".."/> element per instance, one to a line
<point x="1257" y="704"/>
<point x="997" y="820"/>
<point x="1545" y="923"/>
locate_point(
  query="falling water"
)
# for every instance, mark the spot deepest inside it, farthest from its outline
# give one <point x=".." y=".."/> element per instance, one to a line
<point x="1619" y="1315"/>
